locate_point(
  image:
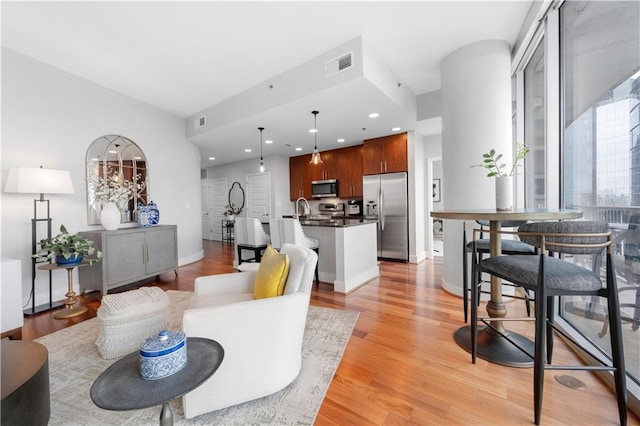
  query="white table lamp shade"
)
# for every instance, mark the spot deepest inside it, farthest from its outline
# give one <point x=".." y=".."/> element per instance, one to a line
<point x="31" y="180"/>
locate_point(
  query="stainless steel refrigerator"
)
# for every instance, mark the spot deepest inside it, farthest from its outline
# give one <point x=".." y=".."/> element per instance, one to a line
<point x="385" y="200"/>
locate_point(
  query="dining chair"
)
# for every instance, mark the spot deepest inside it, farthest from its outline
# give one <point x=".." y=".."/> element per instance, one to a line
<point x="483" y="246"/>
<point x="549" y="276"/>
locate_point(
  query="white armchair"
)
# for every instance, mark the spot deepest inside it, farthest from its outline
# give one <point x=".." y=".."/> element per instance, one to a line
<point x="262" y="339"/>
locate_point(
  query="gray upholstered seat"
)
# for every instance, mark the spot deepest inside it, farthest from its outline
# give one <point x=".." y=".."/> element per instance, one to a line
<point x="550" y="276"/>
<point x="559" y="274"/>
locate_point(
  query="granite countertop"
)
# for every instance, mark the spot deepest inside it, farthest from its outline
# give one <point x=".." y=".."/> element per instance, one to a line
<point x="334" y="222"/>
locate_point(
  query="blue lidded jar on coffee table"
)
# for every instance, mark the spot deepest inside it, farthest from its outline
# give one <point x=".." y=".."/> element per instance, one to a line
<point x="163" y="355"/>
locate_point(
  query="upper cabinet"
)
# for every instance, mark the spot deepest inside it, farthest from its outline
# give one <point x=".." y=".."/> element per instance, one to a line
<point x="328" y="169"/>
<point x="344" y="165"/>
<point x="347" y="165"/>
<point x="387" y="154"/>
<point x="351" y="167"/>
<point x="299" y="182"/>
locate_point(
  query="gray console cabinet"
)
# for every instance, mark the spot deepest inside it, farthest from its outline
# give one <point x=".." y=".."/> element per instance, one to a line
<point x="130" y="255"/>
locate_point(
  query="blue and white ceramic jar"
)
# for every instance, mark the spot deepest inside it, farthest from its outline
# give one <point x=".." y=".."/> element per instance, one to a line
<point x="154" y="214"/>
<point x="148" y="215"/>
<point x="163" y="355"/>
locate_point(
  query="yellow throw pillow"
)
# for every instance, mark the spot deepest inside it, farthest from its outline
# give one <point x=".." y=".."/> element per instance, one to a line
<point x="272" y="274"/>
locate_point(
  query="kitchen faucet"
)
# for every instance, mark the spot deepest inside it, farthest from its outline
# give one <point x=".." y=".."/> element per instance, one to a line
<point x="296" y="214"/>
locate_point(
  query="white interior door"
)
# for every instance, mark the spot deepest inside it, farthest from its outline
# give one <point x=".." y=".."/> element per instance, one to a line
<point x="206" y="218"/>
<point x="218" y="198"/>
<point x="259" y="196"/>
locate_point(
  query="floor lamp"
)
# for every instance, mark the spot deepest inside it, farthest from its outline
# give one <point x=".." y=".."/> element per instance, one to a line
<point x="28" y="180"/>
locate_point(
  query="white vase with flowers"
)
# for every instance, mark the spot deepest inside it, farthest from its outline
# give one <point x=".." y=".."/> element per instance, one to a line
<point x="114" y="192"/>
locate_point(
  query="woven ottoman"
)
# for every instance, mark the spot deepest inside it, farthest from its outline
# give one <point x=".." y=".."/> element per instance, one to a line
<point x="128" y="318"/>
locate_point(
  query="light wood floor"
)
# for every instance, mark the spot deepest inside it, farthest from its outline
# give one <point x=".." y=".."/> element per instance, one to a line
<point x="401" y="365"/>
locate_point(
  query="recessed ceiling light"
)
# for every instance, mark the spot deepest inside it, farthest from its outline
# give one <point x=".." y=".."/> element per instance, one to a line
<point x="313" y="130"/>
<point x="298" y="149"/>
<point x="247" y="150"/>
<point x="268" y="141"/>
<point x="113" y="152"/>
<point x="341" y="140"/>
<point x="212" y="158"/>
<point x="374" y="115"/>
<point x="395" y="129"/>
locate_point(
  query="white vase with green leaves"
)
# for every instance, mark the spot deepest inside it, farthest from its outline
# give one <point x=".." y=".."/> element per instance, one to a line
<point x="504" y="181"/>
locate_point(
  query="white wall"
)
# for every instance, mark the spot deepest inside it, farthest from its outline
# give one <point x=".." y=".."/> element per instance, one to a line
<point x="49" y="119"/>
<point x="277" y="166"/>
<point x="417" y="204"/>
<point x="433" y="162"/>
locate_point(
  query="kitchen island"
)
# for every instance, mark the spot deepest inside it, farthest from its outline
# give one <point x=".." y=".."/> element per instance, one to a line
<point x="347" y="255"/>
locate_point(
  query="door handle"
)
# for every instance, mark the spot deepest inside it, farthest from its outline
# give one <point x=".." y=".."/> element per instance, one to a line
<point x="381" y="212"/>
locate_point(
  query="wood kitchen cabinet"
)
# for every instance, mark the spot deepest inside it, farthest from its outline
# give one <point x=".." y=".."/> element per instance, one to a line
<point x="387" y="154"/>
<point x="351" y="168"/>
<point x="343" y="164"/>
<point x="329" y="169"/>
<point x="130" y="255"/>
<point x="299" y="180"/>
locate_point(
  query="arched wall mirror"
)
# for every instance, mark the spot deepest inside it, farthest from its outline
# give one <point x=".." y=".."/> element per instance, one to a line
<point x="117" y="171"/>
<point x="236" y="197"/>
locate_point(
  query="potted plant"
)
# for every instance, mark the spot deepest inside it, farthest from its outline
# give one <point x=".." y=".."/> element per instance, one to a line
<point x="230" y="210"/>
<point x="68" y="249"/>
<point x="504" y="184"/>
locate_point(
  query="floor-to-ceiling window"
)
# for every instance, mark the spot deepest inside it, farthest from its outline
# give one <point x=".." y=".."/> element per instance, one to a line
<point x="534" y="129"/>
<point x="579" y="99"/>
<point x="600" y="167"/>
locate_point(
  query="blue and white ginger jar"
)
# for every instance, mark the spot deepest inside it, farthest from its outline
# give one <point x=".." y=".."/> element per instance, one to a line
<point x="154" y="214"/>
<point x="163" y="355"/>
<point x="148" y="215"/>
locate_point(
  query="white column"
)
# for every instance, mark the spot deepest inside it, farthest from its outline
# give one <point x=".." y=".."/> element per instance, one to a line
<point x="476" y="117"/>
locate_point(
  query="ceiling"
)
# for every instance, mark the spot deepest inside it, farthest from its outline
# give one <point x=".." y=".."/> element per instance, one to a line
<point x="185" y="57"/>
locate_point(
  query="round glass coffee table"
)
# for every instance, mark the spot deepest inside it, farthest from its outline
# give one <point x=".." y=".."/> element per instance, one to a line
<point x="121" y="387"/>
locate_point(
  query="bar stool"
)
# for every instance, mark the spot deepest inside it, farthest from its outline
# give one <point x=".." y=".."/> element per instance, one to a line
<point x="549" y="277"/>
<point x="250" y="235"/>
<point x="291" y="231"/>
<point x="483" y="246"/>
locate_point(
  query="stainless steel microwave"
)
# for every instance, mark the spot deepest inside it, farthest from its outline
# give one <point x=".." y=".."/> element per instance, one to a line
<point x="324" y="188"/>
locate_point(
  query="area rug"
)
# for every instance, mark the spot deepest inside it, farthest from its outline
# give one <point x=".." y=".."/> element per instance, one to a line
<point x="74" y="364"/>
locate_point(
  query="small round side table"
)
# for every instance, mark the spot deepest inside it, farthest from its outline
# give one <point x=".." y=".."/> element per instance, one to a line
<point x="69" y="311"/>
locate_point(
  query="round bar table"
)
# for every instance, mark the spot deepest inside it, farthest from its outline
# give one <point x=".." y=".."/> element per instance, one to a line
<point x="493" y="347"/>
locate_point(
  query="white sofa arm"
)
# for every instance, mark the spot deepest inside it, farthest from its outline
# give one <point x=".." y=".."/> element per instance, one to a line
<point x="262" y="342"/>
<point x="232" y="283"/>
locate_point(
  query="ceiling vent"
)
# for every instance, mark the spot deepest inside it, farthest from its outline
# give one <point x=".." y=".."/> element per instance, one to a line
<point x="199" y="122"/>
<point x="337" y="65"/>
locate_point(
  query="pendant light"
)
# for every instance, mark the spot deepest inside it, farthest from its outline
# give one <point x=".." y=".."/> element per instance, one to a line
<point x="261" y="159"/>
<point x="315" y="157"/>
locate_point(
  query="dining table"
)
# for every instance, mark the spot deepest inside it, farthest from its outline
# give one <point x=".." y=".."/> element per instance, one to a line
<point x="500" y="348"/>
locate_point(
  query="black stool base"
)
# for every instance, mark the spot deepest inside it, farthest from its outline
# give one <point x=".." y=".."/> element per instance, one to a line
<point x="494" y="348"/>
